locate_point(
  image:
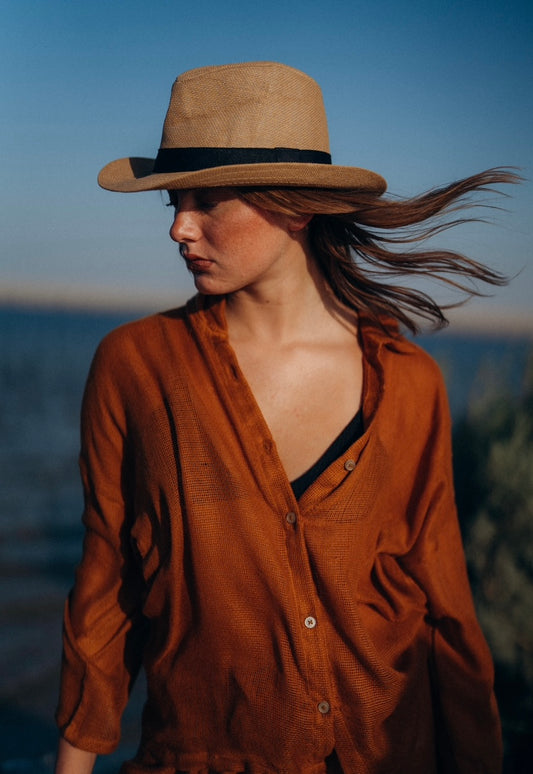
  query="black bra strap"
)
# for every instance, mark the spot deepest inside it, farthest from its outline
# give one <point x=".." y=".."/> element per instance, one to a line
<point x="348" y="436"/>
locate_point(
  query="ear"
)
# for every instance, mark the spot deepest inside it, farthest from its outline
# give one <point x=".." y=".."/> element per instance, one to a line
<point x="299" y="222"/>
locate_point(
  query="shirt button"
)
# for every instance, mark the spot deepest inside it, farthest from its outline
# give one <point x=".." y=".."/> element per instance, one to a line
<point x="324" y="707"/>
<point x="291" y="517"/>
<point x="349" y="465"/>
<point x="310" y="622"/>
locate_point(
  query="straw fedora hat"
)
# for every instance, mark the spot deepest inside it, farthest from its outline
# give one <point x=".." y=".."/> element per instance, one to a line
<point x="250" y="124"/>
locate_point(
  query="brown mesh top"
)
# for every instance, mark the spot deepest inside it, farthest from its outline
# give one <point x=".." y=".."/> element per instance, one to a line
<point x="272" y="631"/>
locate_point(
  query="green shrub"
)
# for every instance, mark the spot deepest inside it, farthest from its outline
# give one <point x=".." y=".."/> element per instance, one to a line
<point x="493" y="462"/>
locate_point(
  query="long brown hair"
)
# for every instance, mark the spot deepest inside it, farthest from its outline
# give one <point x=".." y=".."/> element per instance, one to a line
<point x="350" y="234"/>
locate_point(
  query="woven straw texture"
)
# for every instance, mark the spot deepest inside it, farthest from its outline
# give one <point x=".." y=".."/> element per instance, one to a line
<point x="250" y="105"/>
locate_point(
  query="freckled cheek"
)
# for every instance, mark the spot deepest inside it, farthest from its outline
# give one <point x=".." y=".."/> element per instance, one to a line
<point x="243" y="241"/>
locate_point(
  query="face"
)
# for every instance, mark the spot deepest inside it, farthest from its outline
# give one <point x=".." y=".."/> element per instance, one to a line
<point x="229" y="245"/>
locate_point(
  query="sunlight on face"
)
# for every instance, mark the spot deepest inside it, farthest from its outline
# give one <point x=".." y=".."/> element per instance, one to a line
<point x="229" y="245"/>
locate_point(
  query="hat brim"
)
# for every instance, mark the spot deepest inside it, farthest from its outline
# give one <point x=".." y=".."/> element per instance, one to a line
<point x="136" y="174"/>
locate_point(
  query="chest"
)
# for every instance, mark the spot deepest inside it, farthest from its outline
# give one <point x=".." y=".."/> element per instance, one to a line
<point x="307" y="395"/>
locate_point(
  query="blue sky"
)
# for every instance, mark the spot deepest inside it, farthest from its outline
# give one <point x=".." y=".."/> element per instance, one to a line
<point x="422" y="92"/>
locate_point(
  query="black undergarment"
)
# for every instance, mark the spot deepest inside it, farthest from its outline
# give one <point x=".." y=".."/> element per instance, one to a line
<point x="340" y="445"/>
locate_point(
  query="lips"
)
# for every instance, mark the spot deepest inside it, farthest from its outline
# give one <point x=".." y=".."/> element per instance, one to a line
<point x="196" y="263"/>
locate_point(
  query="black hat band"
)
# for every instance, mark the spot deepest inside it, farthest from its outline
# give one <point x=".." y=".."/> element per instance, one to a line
<point x="193" y="159"/>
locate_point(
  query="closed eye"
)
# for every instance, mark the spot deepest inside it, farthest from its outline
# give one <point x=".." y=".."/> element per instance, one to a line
<point x="205" y="204"/>
<point x="202" y="202"/>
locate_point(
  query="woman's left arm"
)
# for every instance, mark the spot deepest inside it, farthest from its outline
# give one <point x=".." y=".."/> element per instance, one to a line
<point x="467" y="717"/>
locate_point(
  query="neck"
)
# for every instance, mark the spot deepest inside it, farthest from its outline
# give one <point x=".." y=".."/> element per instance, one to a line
<point x="286" y="309"/>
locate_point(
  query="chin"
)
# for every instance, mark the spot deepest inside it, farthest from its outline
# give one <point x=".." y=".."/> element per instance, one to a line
<point x="206" y="287"/>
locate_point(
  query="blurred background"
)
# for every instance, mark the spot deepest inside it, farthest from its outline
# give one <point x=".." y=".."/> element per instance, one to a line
<point x="422" y="92"/>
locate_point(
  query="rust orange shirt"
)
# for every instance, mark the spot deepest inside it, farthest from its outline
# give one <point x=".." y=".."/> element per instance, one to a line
<point x="271" y="630"/>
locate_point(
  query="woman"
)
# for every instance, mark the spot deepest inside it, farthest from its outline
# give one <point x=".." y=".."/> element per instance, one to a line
<point x="269" y="508"/>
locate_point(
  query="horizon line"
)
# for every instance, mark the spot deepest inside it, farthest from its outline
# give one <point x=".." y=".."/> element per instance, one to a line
<point x="489" y="320"/>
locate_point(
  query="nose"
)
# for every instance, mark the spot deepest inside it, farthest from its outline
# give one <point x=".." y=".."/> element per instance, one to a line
<point x="184" y="228"/>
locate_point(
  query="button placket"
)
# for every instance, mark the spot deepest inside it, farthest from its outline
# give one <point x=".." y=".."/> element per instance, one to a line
<point x="314" y="648"/>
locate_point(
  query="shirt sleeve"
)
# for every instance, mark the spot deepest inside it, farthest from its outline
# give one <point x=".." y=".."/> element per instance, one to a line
<point x="103" y="625"/>
<point x="466" y="714"/>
